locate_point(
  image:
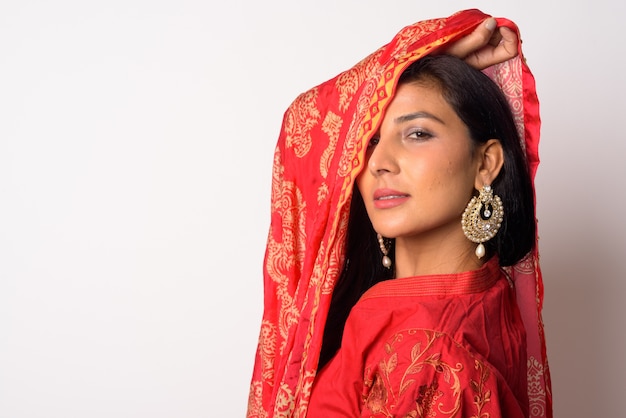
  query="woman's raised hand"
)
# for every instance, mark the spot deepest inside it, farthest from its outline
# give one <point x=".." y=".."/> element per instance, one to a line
<point x="486" y="45"/>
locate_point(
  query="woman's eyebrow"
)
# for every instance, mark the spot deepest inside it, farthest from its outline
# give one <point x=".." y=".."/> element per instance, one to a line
<point x="417" y="115"/>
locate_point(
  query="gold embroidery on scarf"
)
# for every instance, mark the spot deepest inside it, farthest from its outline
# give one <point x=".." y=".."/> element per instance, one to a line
<point x="331" y="127"/>
<point x="337" y="256"/>
<point x="286" y="255"/>
<point x="278" y="264"/>
<point x="319" y="268"/>
<point x="525" y="265"/>
<point x="278" y="171"/>
<point x="536" y="391"/>
<point x="285" y="402"/>
<point x="411" y="34"/>
<point x="348" y="82"/>
<point x="322" y="193"/>
<point x="288" y="203"/>
<point x="307" y="383"/>
<point x="366" y="76"/>
<point x="350" y="148"/>
<point x="267" y="351"/>
<point x="300" y="118"/>
<point x="508" y="76"/>
<point x="347" y="85"/>
<point x="326" y="273"/>
<point x="255" y="401"/>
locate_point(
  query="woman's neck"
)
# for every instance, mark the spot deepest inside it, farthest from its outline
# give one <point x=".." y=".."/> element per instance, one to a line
<point x="447" y="255"/>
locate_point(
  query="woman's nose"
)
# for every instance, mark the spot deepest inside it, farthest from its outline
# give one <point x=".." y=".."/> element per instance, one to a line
<point x="382" y="158"/>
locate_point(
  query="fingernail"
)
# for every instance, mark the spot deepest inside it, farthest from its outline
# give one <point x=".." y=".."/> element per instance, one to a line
<point x="491" y="23"/>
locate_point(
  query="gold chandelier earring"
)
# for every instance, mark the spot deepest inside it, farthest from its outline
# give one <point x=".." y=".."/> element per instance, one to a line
<point x="482" y="218"/>
<point x="384" y="250"/>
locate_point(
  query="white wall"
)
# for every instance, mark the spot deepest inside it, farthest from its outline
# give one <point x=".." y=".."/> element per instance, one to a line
<point x="136" y="141"/>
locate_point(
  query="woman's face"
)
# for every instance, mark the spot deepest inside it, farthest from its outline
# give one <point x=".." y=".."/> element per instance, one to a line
<point x="421" y="170"/>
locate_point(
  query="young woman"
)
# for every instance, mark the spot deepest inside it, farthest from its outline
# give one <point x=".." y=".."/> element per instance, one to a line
<point x="401" y="269"/>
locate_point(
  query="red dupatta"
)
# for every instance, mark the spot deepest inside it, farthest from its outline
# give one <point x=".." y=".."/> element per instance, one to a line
<point x="320" y="152"/>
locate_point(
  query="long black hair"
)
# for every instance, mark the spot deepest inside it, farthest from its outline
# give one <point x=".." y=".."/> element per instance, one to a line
<point x="481" y="105"/>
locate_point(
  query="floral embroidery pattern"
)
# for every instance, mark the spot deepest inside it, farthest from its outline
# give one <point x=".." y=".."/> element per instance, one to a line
<point x="349" y="81"/>
<point x="410" y="358"/>
<point x="331" y="127"/>
<point x="482" y="395"/>
<point x="425" y="402"/>
<point x="255" y="407"/>
<point x="377" y="399"/>
<point x="284" y="402"/>
<point x="267" y="350"/>
<point x="286" y="255"/>
<point x="300" y="118"/>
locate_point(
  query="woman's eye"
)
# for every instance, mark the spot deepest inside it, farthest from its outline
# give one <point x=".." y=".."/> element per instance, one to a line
<point x="373" y="142"/>
<point x="420" y="134"/>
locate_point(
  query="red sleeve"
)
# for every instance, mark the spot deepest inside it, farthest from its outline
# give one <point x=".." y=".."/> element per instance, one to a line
<point x="338" y="386"/>
<point x="415" y="373"/>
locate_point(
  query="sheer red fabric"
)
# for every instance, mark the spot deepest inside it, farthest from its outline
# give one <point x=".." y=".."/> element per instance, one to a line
<point x="319" y="153"/>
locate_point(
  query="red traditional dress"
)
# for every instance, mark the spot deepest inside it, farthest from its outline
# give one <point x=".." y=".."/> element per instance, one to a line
<point x="408" y="351"/>
<point x="429" y="346"/>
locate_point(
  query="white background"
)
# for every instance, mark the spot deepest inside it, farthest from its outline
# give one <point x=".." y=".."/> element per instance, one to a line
<point x="136" y="142"/>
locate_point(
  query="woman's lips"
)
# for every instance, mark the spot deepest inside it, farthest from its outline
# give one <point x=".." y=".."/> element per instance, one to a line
<point x="388" y="198"/>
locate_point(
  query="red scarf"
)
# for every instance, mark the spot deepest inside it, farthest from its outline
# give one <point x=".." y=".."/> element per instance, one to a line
<point x="319" y="153"/>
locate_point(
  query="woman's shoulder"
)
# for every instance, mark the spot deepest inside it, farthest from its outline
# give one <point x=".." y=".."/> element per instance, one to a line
<point x="421" y="372"/>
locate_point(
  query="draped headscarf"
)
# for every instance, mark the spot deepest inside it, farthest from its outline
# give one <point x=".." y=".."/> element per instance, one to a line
<point x="319" y="153"/>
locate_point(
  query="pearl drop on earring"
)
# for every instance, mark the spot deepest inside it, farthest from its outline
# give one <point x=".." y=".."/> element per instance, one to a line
<point x="480" y="251"/>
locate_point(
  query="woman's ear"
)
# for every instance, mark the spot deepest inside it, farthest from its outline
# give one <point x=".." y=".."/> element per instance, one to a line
<point x="491" y="159"/>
